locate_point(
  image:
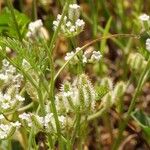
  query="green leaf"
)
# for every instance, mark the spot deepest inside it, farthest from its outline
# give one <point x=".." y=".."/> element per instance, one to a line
<point x="7" y="26"/>
<point x="106" y="31"/>
<point x="143" y="120"/>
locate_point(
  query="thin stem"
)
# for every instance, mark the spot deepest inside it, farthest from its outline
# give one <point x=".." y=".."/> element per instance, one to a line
<point x="131" y="107"/>
<point x="90" y="43"/>
<point x="52" y="81"/>
<point x="34" y="10"/>
<point x="31" y="134"/>
<point x="9" y="144"/>
<point x="25" y="107"/>
<point x="78" y="118"/>
<point x="50" y="141"/>
<point x="10" y="6"/>
<point x="59" y="25"/>
<point x="97" y="115"/>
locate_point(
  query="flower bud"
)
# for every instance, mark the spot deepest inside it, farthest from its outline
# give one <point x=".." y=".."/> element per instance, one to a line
<point x="119" y="89"/>
<point x="74" y="12"/>
<point x="107" y="82"/>
<point x="107" y="100"/>
<point x="136" y="62"/>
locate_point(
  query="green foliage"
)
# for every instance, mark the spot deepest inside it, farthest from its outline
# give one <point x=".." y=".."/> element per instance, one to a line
<point x="7" y="27"/>
<point x="143" y="120"/>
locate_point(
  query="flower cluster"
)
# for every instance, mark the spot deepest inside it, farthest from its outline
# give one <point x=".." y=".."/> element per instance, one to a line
<point x="30" y="89"/>
<point x="7" y="129"/>
<point x="9" y="102"/>
<point x="69" y="55"/>
<point x="145" y="20"/>
<point x="46" y="122"/>
<point x="8" y="74"/>
<point x="71" y="24"/>
<point x="10" y="97"/>
<point x="91" y="57"/>
<point x="144" y="17"/>
<point x="36" y="30"/>
<point x="78" y="96"/>
<point x="87" y="57"/>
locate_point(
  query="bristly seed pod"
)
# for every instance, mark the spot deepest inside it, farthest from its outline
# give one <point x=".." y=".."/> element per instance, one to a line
<point x="78" y="96"/>
<point x="136" y="62"/>
<point x="107" y="82"/>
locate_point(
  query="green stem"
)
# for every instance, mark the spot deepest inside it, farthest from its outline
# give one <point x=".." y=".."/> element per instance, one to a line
<point x="97" y="115"/>
<point x="52" y="81"/>
<point x="131" y="107"/>
<point x="9" y="144"/>
<point x="31" y="136"/>
<point x="34" y="10"/>
<point x="78" y="118"/>
<point x="59" y="25"/>
<point x="10" y="6"/>
<point x="50" y="141"/>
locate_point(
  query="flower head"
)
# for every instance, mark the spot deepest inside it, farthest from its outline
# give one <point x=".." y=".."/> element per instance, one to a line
<point x="144" y="17"/>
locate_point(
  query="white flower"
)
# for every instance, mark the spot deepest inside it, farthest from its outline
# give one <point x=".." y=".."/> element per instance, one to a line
<point x="59" y="17"/>
<point x="3" y="77"/>
<point x="47" y="119"/>
<point x="80" y="23"/>
<point x="9" y="75"/>
<point x="96" y="56"/>
<point x="85" y="60"/>
<point x="148" y="44"/>
<point x="3" y="135"/>
<point x="34" y="26"/>
<point x="24" y="116"/>
<point x="20" y="98"/>
<point x="5" y="130"/>
<point x="11" y="69"/>
<point x="72" y="29"/>
<point x="68" y="24"/>
<point x="144" y="17"/>
<point x="74" y="6"/>
<point x="71" y="24"/>
<point x="61" y="119"/>
<point x="69" y="55"/>
<point x="5" y="105"/>
<point x="78" y="49"/>
<point x="16" y="124"/>
<point x="5" y="63"/>
<point x="67" y="94"/>
<point x="7" y="97"/>
<point x="55" y="23"/>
